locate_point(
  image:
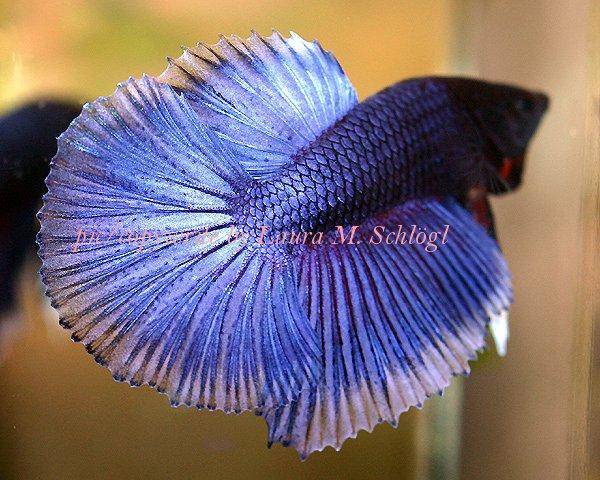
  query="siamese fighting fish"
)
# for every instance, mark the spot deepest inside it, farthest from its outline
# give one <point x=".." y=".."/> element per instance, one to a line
<point x="241" y="233"/>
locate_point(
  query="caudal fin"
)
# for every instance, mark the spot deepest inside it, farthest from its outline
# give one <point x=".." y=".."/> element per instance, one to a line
<point x="142" y="196"/>
<point x="212" y="322"/>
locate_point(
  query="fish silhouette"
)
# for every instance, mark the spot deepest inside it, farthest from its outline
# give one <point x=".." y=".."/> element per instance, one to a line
<point x="161" y="234"/>
<point x="27" y="143"/>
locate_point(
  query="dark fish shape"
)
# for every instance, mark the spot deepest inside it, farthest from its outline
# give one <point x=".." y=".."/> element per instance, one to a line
<point x="27" y="143"/>
<point x="167" y="203"/>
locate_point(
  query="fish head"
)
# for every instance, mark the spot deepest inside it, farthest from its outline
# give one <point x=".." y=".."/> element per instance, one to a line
<point x="506" y="117"/>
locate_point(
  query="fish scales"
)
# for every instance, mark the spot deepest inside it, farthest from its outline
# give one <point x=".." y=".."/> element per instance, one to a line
<point x="393" y="147"/>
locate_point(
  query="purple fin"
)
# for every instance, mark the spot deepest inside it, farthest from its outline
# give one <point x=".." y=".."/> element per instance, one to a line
<point x="268" y="97"/>
<point x="395" y="323"/>
<point x="137" y="260"/>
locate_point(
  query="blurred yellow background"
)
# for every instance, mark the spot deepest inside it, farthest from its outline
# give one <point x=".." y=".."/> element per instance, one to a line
<point x="83" y="48"/>
<point x="62" y="416"/>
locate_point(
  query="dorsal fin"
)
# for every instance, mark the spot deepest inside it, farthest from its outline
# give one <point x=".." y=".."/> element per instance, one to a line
<point x="268" y="97"/>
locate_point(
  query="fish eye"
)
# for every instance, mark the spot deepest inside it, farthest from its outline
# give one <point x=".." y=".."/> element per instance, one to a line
<point x="524" y="105"/>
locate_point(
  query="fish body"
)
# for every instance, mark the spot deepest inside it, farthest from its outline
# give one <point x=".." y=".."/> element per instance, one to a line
<point x="416" y="139"/>
<point x="267" y="134"/>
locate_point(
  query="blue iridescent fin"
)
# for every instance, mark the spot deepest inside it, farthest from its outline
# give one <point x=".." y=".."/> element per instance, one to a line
<point x="268" y="97"/>
<point x="395" y="323"/>
<point x="138" y="261"/>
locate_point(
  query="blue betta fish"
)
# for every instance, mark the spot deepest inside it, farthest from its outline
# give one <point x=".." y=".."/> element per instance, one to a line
<point x="208" y="166"/>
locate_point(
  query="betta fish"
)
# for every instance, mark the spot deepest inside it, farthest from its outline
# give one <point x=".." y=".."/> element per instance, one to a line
<point x="322" y="339"/>
<point x="27" y="143"/>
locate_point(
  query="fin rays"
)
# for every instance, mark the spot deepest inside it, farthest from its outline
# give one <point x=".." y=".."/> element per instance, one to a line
<point x="260" y="96"/>
<point x="322" y="342"/>
<point x="393" y="332"/>
<point x="174" y="313"/>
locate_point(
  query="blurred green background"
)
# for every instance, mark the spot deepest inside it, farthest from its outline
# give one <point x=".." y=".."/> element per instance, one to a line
<point x="62" y="416"/>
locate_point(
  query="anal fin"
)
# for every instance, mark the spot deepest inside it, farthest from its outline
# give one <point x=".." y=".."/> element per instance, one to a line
<point x="395" y="322"/>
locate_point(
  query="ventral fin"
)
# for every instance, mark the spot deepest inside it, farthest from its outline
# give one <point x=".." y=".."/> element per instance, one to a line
<point x="267" y="97"/>
<point x="478" y="203"/>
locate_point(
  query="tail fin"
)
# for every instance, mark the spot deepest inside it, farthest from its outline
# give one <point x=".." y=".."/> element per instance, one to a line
<point x="143" y="178"/>
<point x="214" y="323"/>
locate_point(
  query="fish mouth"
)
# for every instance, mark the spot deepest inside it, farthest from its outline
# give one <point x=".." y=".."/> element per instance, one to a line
<point x="542" y="102"/>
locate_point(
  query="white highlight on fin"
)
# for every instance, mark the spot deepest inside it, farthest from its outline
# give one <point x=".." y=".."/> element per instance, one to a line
<point x="500" y="331"/>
